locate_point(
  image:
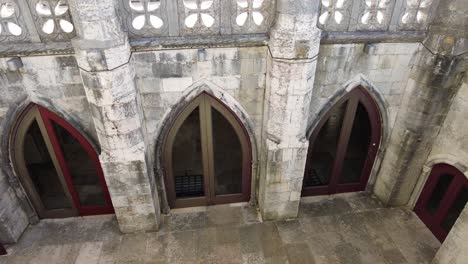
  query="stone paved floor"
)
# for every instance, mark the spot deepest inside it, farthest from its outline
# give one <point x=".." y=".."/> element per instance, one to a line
<point x="339" y="229"/>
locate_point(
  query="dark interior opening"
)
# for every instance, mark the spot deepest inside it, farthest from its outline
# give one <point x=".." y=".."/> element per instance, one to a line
<point x="42" y="170"/>
<point x="187" y="158"/>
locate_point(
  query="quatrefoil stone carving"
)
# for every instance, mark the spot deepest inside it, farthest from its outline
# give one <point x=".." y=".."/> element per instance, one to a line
<point x="332" y="9"/>
<point x="199" y="13"/>
<point x="249" y="9"/>
<point x="416" y="12"/>
<point x="54" y="16"/>
<point x="145" y="15"/>
<point x="374" y="12"/>
<point x="9" y="25"/>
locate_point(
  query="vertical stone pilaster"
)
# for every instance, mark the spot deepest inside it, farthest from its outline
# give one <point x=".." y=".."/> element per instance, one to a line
<point x="437" y="71"/>
<point x="103" y="55"/>
<point x="293" y="46"/>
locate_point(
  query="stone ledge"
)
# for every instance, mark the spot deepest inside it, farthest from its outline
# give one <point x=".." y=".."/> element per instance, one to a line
<point x="141" y="44"/>
<point x="372" y="37"/>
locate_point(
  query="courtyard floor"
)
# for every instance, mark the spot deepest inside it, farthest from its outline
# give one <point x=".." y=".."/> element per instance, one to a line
<point x="350" y="228"/>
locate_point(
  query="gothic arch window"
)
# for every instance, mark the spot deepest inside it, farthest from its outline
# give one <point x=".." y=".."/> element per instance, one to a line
<point x="207" y="156"/>
<point x="443" y="198"/>
<point x="343" y="146"/>
<point x="57" y="166"/>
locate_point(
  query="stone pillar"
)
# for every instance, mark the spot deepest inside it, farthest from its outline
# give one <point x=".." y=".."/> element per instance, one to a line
<point x="293" y="46"/>
<point x="455" y="247"/>
<point x="435" y="78"/>
<point x="103" y="54"/>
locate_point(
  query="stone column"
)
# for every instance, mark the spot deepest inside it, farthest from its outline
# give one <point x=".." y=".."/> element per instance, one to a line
<point x="103" y="54"/>
<point x="455" y="247"/>
<point x="435" y="78"/>
<point x="293" y="46"/>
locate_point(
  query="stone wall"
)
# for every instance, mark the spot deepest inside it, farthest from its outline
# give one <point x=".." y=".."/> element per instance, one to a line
<point x="163" y="77"/>
<point x="454" y="250"/>
<point x="451" y="147"/>
<point x="439" y="67"/>
<point x="382" y="69"/>
<point x="136" y="87"/>
<point x="166" y="78"/>
<point x="452" y="142"/>
<point x="13" y="219"/>
<point x="385" y="66"/>
<point x="53" y="82"/>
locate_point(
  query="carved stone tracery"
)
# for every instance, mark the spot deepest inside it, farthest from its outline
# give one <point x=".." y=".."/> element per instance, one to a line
<point x="375" y="14"/>
<point x="415" y="14"/>
<point x="53" y="19"/>
<point x="11" y="26"/>
<point x="252" y="16"/>
<point x="145" y="17"/>
<point x="334" y="14"/>
<point x="199" y="17"/>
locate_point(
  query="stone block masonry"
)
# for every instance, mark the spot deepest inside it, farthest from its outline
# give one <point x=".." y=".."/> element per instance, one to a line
<point x="122" y="94"/>
<point x="53" y="82"/>
<point x="290" y="77"/>
<point x="109" y="83"/>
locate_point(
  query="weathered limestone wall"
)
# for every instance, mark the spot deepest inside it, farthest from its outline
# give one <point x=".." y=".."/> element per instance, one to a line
<point x="13" y="219"/>
<point x="103" y="54"/>
<point x="385" y="66"/>
<point x="166" y="78"/>
<point x="452" y="142"/>
<point x="454" y="250"/>
<point x="451" y="146"/>
<point x="436" y="76"/>
<point x="381" y="68"/>
<point x="53" y="82"/>
<point x="294" y="45"/>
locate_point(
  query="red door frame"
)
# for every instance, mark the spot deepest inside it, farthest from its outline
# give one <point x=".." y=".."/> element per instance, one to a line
<point x="458" y="183"/>
<point x="48" y="117"/>
<point x="353" y="98"/>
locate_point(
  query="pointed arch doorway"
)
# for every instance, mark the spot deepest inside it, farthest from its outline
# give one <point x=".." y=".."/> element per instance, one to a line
<point x="207" y="156"/>
<point x="59" y="169"/>
<point x="343" y="146"/>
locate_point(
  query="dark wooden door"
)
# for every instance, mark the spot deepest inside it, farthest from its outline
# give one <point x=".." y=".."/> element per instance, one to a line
<point x="58" y="167"/>
<point x="343" y="146"/>
<point x="2" y="250"/>
<point x="443" y="198"/>
<point x="207" y="156"/>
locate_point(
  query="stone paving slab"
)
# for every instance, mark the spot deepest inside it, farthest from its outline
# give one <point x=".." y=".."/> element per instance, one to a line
<point x="350" y="228"/>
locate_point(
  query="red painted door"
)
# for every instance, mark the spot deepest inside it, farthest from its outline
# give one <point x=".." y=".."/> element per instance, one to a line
<point x="442" y="200"/>
<point x="58" y="167"/>
<point x="80" y="166"/>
